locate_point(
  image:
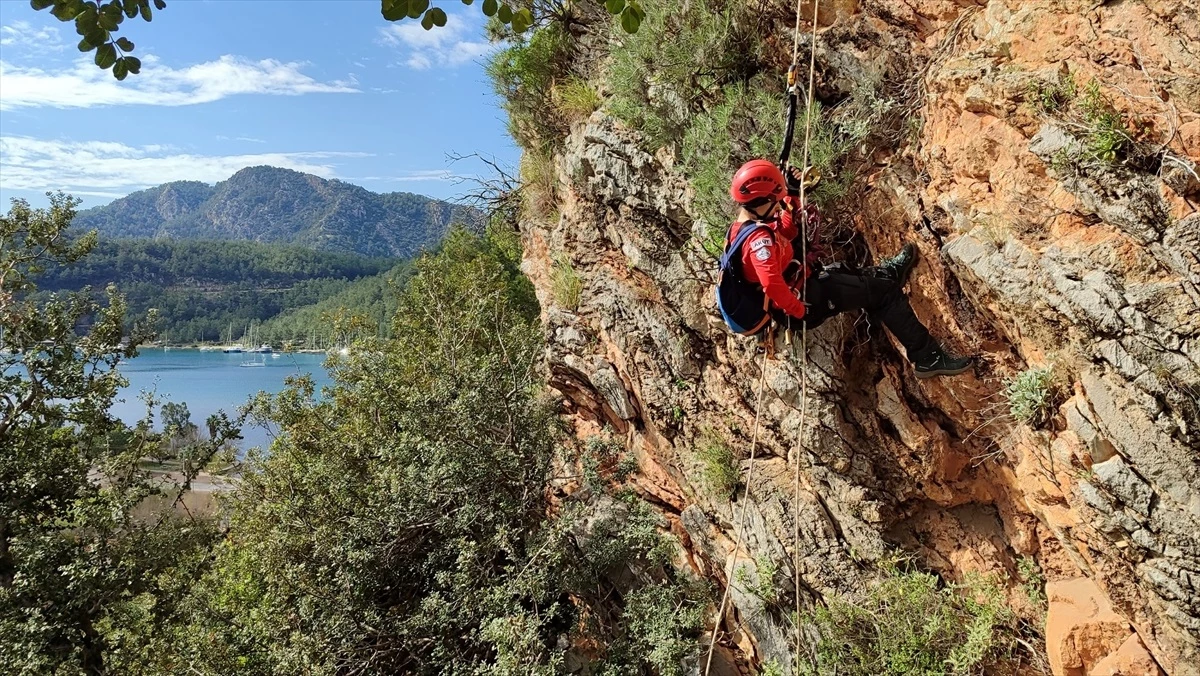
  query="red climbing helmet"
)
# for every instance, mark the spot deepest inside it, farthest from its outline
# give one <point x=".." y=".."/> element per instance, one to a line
<point x="756" y="179"/>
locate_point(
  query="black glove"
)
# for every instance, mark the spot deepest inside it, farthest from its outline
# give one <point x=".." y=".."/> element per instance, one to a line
<point x="793" y="176"/>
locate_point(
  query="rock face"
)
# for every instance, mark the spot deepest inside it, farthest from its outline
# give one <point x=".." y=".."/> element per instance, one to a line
<point x="1034" y="254"/>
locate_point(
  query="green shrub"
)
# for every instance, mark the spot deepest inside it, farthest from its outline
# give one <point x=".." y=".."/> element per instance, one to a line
<point x="761" y="583"/>
<point x="1052" y="97"/>
<point x="908" y="624"/>
<point x="567" y="285"/>
<point x="1032" y="580"/>
<point x="746" y="123"/>
<point x="539" y="196"/>
<point x="575" y="99"/>
<point x="1032" y="395"/>
<point x="1092" y="116"/>
<point x="750" y="122"/>
<point x="657" y="84"/>
<point x="1106" y="136"/>
<point x="663" y="624"/>
<point x="627" y="537"/>
<point x="720" y="468"/>
<point x="523" y="76"/>
<point x="602" y="453"/>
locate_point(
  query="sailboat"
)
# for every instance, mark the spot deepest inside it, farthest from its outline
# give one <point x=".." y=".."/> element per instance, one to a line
<point x="263" y="349"/>
<point x="230" y="347"/>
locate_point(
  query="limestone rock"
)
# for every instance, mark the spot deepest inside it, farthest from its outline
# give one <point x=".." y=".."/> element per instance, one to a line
<point x="1082" y="629"/>
<point x="1027" y="261"/>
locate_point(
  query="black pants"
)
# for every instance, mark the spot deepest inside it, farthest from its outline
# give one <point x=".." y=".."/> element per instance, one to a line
<point x="832" y="292"/>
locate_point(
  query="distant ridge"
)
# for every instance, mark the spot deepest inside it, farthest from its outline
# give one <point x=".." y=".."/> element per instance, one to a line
<point x="270" y="204"/>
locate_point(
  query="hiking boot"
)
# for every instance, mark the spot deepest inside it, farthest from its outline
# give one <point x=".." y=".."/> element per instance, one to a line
<point x="898" y="267"/>
<point x="938" y="363"/>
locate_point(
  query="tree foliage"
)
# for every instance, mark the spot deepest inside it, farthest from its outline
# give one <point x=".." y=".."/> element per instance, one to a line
<point x="83" y="573"/>
<point x="200" y="289"/>
<point x="97" y="22"/>
<point x="908" y="623"/>
<point x="400" y="523"/>
<point x="415" y="488"/>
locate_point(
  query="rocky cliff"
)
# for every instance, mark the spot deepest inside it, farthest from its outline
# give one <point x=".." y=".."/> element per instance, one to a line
<point x="1045" y="171"/>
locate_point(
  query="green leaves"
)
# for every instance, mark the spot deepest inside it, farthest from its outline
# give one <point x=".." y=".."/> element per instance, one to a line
<point x="97" y="21"/>
<point x="78" y="553"/>
<point x="394" y="10"/>
<point x="433" y="17"/>
<point x="518" y="19"/>
<point x="632" y="16"/>
<point x="106" y="56"/>
<point x="522" y="20"/>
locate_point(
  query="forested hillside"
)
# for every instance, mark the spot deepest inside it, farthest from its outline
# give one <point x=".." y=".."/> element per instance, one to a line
<point x="270" y="204"/>
<point x="204" y="289"/>
<point x="372" y="299"/>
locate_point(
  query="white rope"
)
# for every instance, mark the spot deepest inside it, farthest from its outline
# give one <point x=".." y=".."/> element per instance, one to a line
<point x="808" y="110"/>
<point x="740" y="525"/>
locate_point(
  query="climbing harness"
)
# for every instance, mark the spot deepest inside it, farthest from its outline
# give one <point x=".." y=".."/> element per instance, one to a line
<point x="784" y="162"/>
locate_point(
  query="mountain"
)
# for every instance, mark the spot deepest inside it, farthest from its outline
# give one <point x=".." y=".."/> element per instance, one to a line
<point x="270" y="204"/>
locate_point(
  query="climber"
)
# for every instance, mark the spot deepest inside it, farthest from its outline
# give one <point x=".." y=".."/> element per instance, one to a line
<point x="760" y="280"/>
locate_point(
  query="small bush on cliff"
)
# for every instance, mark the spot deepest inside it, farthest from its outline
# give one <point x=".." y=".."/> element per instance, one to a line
<point x="1051" y="97"/>
<point x="749" y="122"/>
<point x="720" y="465"/>
<point x="658" y="84"/>
<point x="524" y="77"/>
<point x="1089" y="113"/>
<point x="567" y="285"/>
<point x="761" y="582"/>
<point x="1033" y="581"/>
<point x="663" y="625"/>
<point x="539" y="197"/>
<point x="908" y="623"/>
<point x="575" y="99"/>
<point x="1032" y="395"/>
<point x="1106" y="136"/>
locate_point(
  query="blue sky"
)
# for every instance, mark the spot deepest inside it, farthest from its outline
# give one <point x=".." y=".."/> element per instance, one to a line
<point x="329" y="88"/>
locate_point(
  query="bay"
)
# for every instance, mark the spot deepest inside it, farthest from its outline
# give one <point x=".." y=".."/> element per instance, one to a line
<point x="210" y="381"/>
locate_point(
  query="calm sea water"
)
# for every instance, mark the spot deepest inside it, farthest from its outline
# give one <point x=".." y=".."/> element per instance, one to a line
<point x="210" y="381"/>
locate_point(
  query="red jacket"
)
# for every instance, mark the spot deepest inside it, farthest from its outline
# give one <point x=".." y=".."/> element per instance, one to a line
<point x="765" y="256"/>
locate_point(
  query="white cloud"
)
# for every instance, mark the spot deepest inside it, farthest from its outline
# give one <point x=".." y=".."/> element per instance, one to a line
<point x="21" y="34"/>
<point x="423" y="175"/>
<point x="104" y="168"/>
<point x="247" y="139"/>
<point x="457" y="43"/>
<point x="86" y="86"/>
